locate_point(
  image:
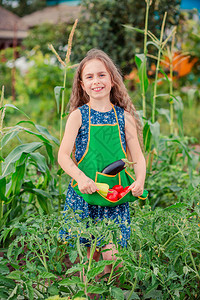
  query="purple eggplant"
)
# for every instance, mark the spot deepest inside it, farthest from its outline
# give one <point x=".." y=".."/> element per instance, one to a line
<point x="117" y="166"/>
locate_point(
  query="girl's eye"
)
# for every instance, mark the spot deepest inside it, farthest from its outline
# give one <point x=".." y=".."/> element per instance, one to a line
<point x="102" y="75"/>
<point x="88" y="77"/>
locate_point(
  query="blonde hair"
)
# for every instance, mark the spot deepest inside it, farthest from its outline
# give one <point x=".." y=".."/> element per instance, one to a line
<point x="118" y="96"/>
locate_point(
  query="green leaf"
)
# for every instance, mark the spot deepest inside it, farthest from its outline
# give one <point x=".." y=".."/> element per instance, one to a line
<point x="40" y="192"/>
<point x="40" y="161"/>
<point x="95" y="271"/>
<point x="154" y="294"/>
<point x="154" y="44"/>
<point x="53" y="290"/>
<point x="178" y="107"/>
<point x="43" y="203"/>
<point x="13" y="106"/>
<point x="4" y="234"/>
<point x="45" y="135"/>
<point x="147" y="136"/>
<point x="57" y="93"/>
<point x="175" y="206"/>
<point x="155" y="131"/>
<point x="175" y="188"/>
<point x="16" y="275"/>
<point x="75" y="268"/>
<point x="117" y="293"/>
<point x="4" y="218"/>
<point x="47" y="275"/>
<point x="10" y="249"/>
<point x="4" y="269"/>
<point x="165" y="75"/>
<point x="95" y="289"/>
<point x="70" y="281"/>
<point x="140" y="60"/>
<point x="49" y="149"/>
<point x="7" y="282"/>
<point x="8" y="137"/>
<point x="3" y="188"/>
<point x="3" y="294"/>
<point x="73" y="255"/>
<point x="78" y="295"/>
<point x="13" y="156"/>
<point x="17" y="179"/>
<point x="60" y="172"/>
<point x="14" y="292"/>
<point x="181" y="144"/>
<point x="30" y="290"/>
<point x="129" y="27"/>
<point x="165" y="112"/>
<point x="163" y="95"/>
<point x="132" y="297"/>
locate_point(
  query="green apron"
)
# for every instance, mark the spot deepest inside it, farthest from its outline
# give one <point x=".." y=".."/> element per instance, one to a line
<point x="104" y="147"/>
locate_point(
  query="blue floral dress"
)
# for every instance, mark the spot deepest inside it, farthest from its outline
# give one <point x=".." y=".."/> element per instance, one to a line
<point x="75" y="201"/>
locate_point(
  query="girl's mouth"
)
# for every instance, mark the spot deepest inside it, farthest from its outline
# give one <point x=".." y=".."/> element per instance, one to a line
<point x="98" y="89"/>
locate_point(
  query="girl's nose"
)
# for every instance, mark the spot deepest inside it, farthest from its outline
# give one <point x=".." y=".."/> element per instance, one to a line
<point x="96" y="80"/>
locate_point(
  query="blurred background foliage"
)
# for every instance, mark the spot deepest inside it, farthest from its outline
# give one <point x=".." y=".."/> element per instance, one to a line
<point x="101" y="25"/>
<point x="24" y="7"/>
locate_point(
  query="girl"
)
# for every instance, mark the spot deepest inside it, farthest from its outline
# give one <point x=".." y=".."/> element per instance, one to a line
<point x="98" y="98"/>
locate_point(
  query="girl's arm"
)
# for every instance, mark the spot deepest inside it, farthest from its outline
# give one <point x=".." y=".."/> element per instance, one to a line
<point x="85" y="184"/>
<point x="136" y="154"/>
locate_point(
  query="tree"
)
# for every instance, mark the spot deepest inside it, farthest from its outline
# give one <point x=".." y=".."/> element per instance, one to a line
<point x="101" y="26"/>
<point x="23" y="7"/>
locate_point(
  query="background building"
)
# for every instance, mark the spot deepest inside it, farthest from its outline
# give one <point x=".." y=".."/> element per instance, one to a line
<point x="12" y="29"/>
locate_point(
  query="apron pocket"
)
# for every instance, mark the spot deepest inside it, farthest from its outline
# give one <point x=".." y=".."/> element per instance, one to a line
<point x="123" y="178"/>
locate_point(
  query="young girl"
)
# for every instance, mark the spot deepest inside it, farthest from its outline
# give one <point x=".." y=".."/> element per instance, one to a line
<point x="98" y="98"/>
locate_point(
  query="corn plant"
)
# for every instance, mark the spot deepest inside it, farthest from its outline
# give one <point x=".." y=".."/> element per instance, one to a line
<point x="59" y="91"/>
<point x="18" y="191"/>
<point x="153" y="142"/>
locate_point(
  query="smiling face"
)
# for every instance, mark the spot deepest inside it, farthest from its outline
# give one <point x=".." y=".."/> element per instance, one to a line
<point x="96" y="80"/>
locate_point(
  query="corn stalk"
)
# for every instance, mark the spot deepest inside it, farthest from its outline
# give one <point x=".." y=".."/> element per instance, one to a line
<point x="148" y="4"/>
<point x="2" y="114"/>
<point x="157" y="69"/>
<point x="61" y="89"/>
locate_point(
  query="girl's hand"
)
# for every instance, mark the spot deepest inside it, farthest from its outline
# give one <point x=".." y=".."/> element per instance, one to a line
<point x="136" y="188"/>
<point x="86" y="185"/>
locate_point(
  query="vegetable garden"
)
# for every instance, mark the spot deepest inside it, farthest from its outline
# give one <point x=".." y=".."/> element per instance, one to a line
<point x="162" y="259"/>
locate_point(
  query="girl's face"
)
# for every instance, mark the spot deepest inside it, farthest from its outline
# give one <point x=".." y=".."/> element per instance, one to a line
<point x="96" y="80"/>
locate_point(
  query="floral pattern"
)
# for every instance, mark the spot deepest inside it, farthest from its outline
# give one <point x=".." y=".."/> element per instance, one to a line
<point x="73" y="200"/>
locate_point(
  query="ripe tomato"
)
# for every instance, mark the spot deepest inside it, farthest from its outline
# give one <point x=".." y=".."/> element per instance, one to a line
<point x="112" y="195"/>
<point x="126" y="188"/>
<point x="122" y="194"/>
<point x="119" y="188"/>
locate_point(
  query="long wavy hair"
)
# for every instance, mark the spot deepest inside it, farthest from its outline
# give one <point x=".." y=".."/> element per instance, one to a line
<point x="118" y="96"/>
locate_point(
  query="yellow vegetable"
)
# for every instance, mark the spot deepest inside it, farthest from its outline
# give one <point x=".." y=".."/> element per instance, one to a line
<point x="103" y="188"/>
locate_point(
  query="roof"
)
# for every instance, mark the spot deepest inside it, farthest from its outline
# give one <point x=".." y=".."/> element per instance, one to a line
<point x="10" y="23"/>
<point x="53" y="14"/>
